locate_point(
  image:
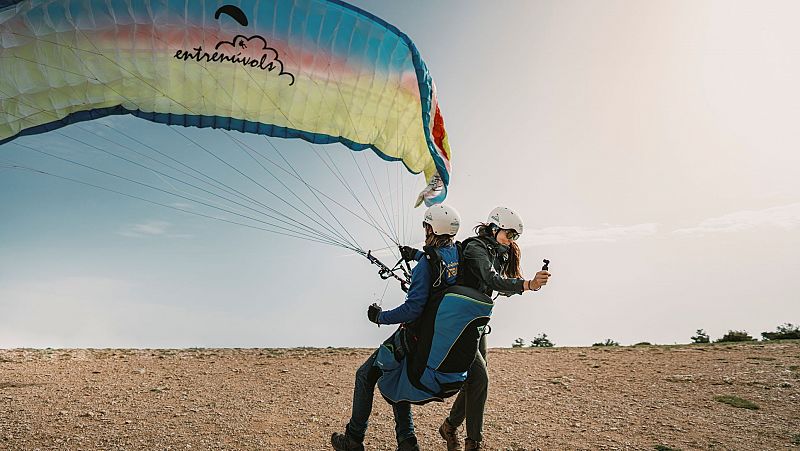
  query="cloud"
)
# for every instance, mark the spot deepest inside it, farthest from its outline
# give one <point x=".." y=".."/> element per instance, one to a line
<point x="575" y="234"/>
<point x="783" y="217"/>
<point x="149" y="228"/>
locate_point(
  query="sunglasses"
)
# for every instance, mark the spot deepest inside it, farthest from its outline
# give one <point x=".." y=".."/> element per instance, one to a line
<point x="512" y="234"/>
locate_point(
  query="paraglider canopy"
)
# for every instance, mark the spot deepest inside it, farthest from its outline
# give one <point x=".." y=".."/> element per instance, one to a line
<point x="322" y="71"/>
<point x="319" y="70"/>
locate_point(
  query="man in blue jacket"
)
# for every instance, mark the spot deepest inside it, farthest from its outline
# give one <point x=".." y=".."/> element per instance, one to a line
<point x="441" y="224"/>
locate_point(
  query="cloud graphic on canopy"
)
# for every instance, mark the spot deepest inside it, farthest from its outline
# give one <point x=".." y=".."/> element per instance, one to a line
<point x="247" y="45"/>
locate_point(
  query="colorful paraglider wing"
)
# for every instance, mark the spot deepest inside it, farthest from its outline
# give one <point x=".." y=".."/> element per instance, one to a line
<point x="322" y="71"/>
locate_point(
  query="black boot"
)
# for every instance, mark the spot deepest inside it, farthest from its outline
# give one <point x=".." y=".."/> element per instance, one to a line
<point x="409" y="444"/>
<point x="472" y="445"/>
<point x="343" y="442"/>
<point x="450" y="435"/>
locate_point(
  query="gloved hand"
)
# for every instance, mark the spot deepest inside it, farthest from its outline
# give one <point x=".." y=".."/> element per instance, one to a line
<point x="408" y="253"/>
<point x="373" y="312"/>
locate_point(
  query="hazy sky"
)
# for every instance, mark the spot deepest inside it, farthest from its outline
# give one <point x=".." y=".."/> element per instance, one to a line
<point x="651" y="147"/>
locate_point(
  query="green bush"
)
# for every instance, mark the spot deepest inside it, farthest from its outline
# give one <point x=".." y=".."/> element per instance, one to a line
<point x="541" y="342"/>
<point x="786" y="331"/>
<point x="665" y="448"/>
<point x="701" y="337"/>
<point x="608" y="342"/>
<point x="736" y="401"/>
<point x="643" y="343"/>
<point x="518" y="343"/>
<point x="735" y="335"/>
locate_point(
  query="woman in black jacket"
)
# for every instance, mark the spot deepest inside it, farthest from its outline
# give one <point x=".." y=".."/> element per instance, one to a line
<point x="491" y="262"/>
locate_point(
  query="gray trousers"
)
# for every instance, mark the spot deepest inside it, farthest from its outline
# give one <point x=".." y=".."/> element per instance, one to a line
<point x="471" y="400"/>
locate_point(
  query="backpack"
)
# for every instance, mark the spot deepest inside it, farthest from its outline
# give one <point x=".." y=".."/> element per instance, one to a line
<point x="437" y="349"/>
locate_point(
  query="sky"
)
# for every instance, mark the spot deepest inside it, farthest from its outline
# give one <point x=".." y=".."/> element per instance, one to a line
<point x="650" y="147"/>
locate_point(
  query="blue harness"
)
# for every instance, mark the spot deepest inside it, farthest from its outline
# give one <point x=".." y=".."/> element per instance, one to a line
<point x="428" y="359"/>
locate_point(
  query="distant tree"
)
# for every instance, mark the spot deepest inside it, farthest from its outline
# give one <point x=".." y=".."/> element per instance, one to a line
<point x="608" y="342"/>
<point x="518" y="343"/>
<point x="541" y="342"/>
<point x="701" y="337"/>
<point x="786" y="331"/>
<point x="735" y="335"/>
<point x="643" y="343"/>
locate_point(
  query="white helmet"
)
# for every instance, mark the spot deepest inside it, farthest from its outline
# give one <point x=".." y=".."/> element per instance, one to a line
<point x="443" y="219"/>
<point x="506" y="219"/>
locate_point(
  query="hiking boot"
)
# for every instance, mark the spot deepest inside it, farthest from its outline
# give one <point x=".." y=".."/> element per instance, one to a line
<point x="471" y="445"/>
<point x="409" y="444"/>
<point x="343" y="442"/>
<point x="450" y="435"/>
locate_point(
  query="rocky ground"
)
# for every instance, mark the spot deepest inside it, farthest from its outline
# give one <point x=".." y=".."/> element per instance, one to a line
<point x="643" y="397"/>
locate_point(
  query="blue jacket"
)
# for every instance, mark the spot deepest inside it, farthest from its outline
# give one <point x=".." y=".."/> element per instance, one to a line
<point x="420" y="288"/>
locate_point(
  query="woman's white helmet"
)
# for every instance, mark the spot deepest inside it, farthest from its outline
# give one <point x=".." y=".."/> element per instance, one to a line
<point x="504" y="218"/>
<point x="443" y="219"/>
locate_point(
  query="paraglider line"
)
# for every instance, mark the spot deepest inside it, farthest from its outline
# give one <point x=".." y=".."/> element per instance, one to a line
<point x="341" y="179"/>
<point x="302" y="237"/>
<point x="383" y="202"/>
<point x="309" y="229"/>
<point x="313" y="191"/>
<point x="355" y="215"/>
<point x="329" y="227"/>
<point x="289" y="218"/>
<point x="213" y="182"/>
<point x="161" y="190"/>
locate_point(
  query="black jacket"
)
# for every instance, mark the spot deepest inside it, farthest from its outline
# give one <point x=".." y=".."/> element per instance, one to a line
<point x="483" y="262"/>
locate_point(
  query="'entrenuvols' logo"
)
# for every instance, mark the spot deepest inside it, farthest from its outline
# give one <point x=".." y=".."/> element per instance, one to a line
<point x="252" y="52"/>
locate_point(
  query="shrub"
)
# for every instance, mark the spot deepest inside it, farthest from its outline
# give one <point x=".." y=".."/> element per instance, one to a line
<point x="735" y="335"/>
<point x="701" y="337"/>
<point x="643" y="343"/>
<point x="541" y="342"/>
<point x="665" y="448"/>
<point x="608" y="342"/>
<point x="518" y="343"/>
<point x="786" y="331"/>
<point x="736" y="401"/>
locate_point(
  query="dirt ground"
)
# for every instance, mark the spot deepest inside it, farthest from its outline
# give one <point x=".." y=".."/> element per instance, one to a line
<point x="644" y="397"/>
